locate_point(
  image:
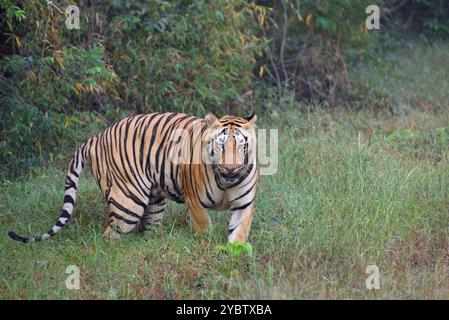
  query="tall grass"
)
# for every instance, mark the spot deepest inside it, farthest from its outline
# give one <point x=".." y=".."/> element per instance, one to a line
<point x="339" y="202"/>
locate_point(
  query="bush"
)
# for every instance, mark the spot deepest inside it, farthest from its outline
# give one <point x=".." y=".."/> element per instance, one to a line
<point x="27" y="133"/>
<point x="314" y="43"/>
<point x="183" y="55"/>
<point x="128" y="57"/>
<point x="427" y="17"/>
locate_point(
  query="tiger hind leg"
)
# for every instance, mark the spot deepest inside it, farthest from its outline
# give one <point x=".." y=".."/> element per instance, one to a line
<point x="124" y="215"/>
<point x="153" y="213"/>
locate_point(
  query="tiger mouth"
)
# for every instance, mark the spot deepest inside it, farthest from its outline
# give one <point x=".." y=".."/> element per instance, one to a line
<point x="230" y="176"/>
<point x="226" y="175"/>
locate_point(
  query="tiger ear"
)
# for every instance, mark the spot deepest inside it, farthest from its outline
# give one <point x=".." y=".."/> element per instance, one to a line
<point x="211" y="119"/>
<point x="251" y="118"/>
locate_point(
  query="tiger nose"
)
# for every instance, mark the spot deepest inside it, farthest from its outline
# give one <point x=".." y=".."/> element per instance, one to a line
<point x="230" y="169"/>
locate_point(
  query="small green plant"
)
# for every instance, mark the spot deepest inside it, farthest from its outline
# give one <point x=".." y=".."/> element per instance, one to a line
<point x="235" y="249"/>
<point x="401" y="135"/>
<point x="234" y="258"/>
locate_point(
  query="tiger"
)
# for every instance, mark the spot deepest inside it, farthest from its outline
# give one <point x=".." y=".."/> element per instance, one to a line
<point x="144" y="160"/>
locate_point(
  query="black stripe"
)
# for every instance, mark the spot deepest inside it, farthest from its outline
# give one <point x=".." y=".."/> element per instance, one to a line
<point x="243" y="176"/>
<point x="247" y="191"/>
<point x="203" y="204"/>
<point x="16" y="237"/>
<point x="243" y="207"/>
<point x="99" y="165"/>
<point x="164" y="135"/>
<point x="59" y="224"/>
<point x="121" y="184"/>
<point x="124" y="161"/>
<point x="137" y="130"/>
<point x="142" y="142"/>
<point x="122" y="208"/>
<point x="208" y="196"/>
<point x="74" y="173"/>
<point x="65" y="214"/>
<point x="69" y="183"/>
<point x="68" y="199"/>
<point x="122" y="219"/>
<point x="156" y="212"/>
<point x="131" y="167"/>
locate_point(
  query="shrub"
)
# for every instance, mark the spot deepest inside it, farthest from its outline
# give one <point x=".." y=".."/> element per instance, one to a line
<point x="183" y="55"/>
<point x="128" y="57"/>
<point x="314" y="43"/>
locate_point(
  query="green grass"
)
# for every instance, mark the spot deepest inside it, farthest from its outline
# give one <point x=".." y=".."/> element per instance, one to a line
<point x="352" y="189"/>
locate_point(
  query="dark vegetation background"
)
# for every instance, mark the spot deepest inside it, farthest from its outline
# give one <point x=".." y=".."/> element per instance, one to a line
<point x="59" y="86"/>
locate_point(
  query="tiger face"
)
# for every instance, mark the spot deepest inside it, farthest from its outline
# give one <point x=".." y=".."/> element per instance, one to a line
<point x="231" y="145"/>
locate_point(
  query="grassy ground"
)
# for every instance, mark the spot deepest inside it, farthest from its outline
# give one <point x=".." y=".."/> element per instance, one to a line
<point x="352" y="189"/>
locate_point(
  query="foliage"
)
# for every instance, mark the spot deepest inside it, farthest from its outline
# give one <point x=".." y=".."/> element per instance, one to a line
<point x="127" y="57"/>
<point x="27" y="132"/>
<point x="11" y="12"/>
<point x="64" y="82"/>
<point x="235" y="249"/>
<point x="234" y="257"/>
<point x="183" y="55"/>
<point x="314" y="43"/>
<point x="429" y="17"/>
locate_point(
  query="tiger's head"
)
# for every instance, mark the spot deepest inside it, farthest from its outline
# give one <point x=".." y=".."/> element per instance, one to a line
<point x="231" y="145"/>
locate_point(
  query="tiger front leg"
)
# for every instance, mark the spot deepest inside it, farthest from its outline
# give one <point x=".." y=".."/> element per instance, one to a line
<point x="199" y="216"/>
<point x="240" y="223"/>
